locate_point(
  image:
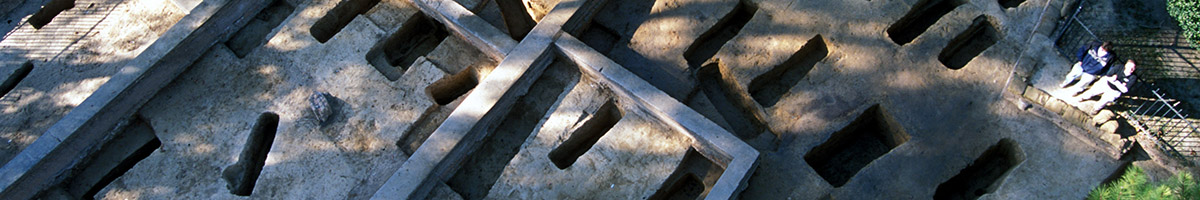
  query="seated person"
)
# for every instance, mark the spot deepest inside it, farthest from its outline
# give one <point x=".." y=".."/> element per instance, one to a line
<point x="1091" y="63"/>
<point x="1117" y="81"/>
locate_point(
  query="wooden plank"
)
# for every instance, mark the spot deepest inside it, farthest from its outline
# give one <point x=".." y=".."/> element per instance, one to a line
<point x="722" y="147"/>
<point x="83" y="130"/>
<point x="468" y="26"/>
<point x="460" y="134"/>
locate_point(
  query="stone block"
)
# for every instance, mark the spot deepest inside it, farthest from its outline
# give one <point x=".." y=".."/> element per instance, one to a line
<point x="1103" y="116"/>
<point x="1075" y="117"/>
<point x="1017" y="85"/>
<point x="1032" y="94"/>
<point x="1041" y="97"/>
<point x="1109" y="127"/>
<point x="1112" y="139"/>
<point x="1056" y="106"/>
<point x="1021" y="103"/>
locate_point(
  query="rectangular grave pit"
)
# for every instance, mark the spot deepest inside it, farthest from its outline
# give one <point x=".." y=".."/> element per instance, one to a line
<point x="980" y="36"/>
<point x="984" y="174"/>
<point x="919" y="18"/>
<point x="873" y="134"/>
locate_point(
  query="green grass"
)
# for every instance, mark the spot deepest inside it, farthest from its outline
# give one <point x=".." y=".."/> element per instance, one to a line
<point x="1136" y="185"/>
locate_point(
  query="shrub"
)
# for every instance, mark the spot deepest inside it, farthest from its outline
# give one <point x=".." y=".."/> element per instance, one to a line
<point x="1187" y="12"/>
<point x="1135" y="185"/>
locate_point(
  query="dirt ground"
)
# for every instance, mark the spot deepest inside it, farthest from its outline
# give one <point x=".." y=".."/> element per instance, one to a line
<point x="784" y="76"/>
<point x="72" y="56"/>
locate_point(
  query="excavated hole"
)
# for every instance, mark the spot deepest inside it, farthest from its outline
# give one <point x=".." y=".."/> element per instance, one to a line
<point x="254" y="34"/>
<point x="424" y="127"/>
<point x="735" y="111"/>
<point x="133" y="144"/>
<point x="418" y="36"/>
<point x="849" y="150"/>
<point x="13" y="79"/>
<point x="769" y="87"/>
<point x="337" y="18"/>
<point x="600" y="38"/>
<point x="981" y="176"/>
<point x="692" y="179"/>
<point x="49" y="11"/>
<point x="922" y="15"/>
<point x="242" y="175"/>
<point x="969" y="44"/>
<point x="447" y="94"/>
<point x="483" y="168"/>
<point x="452" y="87"/>
<point x="711" y="41"/>
<point x="686" y="187"/>
<point x="517" y="20"/>
<point x="612" y="26"/>
<point x="1010" y="3"/>
<point x="584" y="136"/>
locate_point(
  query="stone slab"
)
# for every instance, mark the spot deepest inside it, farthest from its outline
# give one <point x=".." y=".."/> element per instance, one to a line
<point x="1103" y="116"/>
<point x="84" y="128"/>
<point x="1017" y="85"/>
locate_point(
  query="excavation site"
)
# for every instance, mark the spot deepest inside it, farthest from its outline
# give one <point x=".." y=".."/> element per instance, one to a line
<point x="584" y="99"/>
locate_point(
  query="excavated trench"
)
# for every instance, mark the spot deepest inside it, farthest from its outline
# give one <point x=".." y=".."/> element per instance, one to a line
<point x="922" y="15"/>
<point x="482" y="168"/>
<point x="418" y="36"/>
<point x="49" y="11"/>
<point x="447" y="93"/>
<point x="692" y="179"/>
<point x="116" y="157"/>
<point x="337" y="18"/>
<point x="733" y="112"/>
<point x="983" y="175"/>
<point x="711" y="41"/>
<point x="772" y="85"/>
<point x="242" y="175"/>
<point x="969" y="44"/>
<point x="873" y="134"/>
<point x="584" y="136"/>
<point x="257" y="31"/>
<point x="15" y="77"/>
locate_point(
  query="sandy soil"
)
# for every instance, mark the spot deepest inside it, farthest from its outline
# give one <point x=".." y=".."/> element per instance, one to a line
<point x="72" y="56"/>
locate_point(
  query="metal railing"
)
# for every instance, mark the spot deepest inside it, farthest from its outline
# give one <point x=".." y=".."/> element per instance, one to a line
<point x="1147" y="108"/>
<point x="1152" y="113"/>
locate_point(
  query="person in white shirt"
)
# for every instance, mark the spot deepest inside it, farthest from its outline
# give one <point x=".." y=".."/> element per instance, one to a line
<point x="1117" y="81"/>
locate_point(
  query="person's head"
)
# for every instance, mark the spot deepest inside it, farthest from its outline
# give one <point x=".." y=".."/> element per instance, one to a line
<point x="1106" y="46"/>
<point x="1130" y="66"/>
